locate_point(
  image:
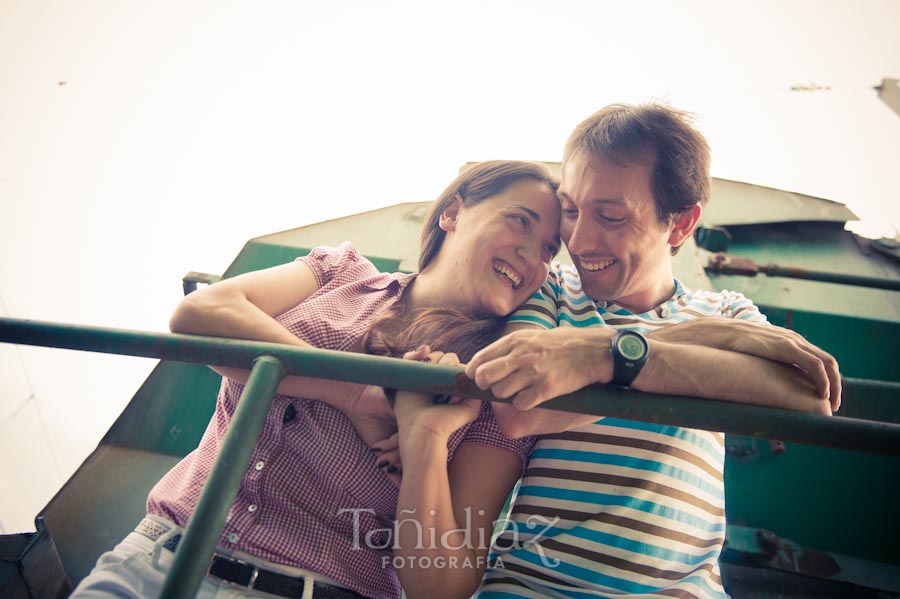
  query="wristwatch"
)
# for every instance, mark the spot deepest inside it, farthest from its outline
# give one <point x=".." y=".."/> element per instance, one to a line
<point x="629" y="352"/>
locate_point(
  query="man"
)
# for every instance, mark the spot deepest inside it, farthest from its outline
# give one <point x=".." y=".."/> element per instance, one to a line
<point x="614" y="507"/>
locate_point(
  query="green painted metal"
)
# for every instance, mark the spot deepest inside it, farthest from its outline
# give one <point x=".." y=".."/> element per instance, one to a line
<point x="817" y="248"/>
<point x="765" y="547"/>
<point x="169" y="412"/>
<point x="755" y="421"/>
<point x="831" y="500"/>
<point x="837" y="502"/>
<point x="208" y="519"/>
<point x="257" y="255"/>
<point x="722" y="263"/>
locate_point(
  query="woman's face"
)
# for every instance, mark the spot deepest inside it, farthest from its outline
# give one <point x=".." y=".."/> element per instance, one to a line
<point x="500" y="248"/>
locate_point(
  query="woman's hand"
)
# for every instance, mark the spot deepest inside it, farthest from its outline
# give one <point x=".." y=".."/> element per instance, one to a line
<point x="371" y="414"/>
<point x="418" y="414"/>
<point x="387" y="456"/>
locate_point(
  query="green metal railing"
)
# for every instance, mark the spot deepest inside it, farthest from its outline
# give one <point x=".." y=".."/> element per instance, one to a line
<point x="270" y="362"/>
<point x="728" y="264"/>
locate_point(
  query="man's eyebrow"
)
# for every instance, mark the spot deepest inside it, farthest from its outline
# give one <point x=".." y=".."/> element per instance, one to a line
<point x="565" y="197"/>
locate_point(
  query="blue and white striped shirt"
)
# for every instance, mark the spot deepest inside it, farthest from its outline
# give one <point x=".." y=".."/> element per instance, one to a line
<point x="617" y="508"/>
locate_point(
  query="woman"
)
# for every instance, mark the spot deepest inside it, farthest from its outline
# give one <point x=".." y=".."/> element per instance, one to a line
<point x="314" y="505"/>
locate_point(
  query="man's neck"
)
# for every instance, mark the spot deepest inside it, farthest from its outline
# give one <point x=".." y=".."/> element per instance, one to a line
<point x="649" y="300"/>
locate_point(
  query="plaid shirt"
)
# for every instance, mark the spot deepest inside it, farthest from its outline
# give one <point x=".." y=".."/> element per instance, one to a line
<point x="312" y="492"/>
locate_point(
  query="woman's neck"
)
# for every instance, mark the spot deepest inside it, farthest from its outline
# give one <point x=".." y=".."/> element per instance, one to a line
<point x="430" y="290"/>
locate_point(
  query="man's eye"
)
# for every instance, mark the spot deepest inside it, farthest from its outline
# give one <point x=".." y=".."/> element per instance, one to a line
<point x="612" y="219"/>
<point x="570" y="212"/>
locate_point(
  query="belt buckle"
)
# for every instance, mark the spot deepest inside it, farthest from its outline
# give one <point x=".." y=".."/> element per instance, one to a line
<point x="253" y="576"/>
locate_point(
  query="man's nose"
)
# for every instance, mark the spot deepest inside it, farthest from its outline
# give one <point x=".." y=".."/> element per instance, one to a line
<point x="581" y="237"/>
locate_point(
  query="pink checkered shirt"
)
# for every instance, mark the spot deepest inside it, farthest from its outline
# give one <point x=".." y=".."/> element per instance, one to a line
<point x="312" y="479"/>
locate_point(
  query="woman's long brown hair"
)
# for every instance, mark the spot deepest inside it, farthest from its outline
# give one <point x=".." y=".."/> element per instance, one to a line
<point x="443" y="329"/>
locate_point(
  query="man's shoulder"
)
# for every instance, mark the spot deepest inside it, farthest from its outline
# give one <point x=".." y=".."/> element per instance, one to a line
<point x="724" y="303"/>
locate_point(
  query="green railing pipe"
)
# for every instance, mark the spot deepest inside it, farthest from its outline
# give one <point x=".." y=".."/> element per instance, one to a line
<point x="774" y="270"/>
<point x="728" y="264"/>
<point x="205" y="525"/>
<point x="754" y="421"/>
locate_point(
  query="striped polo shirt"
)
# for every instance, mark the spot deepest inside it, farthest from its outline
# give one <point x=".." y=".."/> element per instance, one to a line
<point x="617" y="508"/>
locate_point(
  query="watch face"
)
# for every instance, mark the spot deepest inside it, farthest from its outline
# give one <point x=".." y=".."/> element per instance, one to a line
<point x="631" y="347"/>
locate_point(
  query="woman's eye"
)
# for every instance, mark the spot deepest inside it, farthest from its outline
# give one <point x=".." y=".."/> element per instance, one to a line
<point x="519" y="219"/>
<point x="569" y="213"/>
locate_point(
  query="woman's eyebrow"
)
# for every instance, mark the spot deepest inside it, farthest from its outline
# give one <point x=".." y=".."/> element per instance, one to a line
<point x="530" y="212"/>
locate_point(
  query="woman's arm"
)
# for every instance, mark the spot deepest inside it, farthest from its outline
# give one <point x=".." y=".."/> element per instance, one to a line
<point x="245" y="307"/>
<point x="446" y="514"/>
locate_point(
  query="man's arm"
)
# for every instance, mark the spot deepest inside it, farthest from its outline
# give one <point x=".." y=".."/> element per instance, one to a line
<point x="765" y="341"/>
<point x="536" y="365"/>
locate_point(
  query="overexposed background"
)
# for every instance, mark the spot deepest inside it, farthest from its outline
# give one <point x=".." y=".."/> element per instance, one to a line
<point x="141" y="140"/>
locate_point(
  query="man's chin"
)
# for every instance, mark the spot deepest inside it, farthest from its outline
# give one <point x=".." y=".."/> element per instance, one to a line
<point x="598" y="292"/>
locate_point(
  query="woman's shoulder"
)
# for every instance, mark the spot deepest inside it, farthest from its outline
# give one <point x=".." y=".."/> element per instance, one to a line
<point x="343" y="261"/>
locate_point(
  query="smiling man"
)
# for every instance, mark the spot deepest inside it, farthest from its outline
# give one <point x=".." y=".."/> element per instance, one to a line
<point x="611" y="507"/>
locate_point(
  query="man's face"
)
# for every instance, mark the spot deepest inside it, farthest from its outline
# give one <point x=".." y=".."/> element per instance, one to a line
<point x="610" y="227"/>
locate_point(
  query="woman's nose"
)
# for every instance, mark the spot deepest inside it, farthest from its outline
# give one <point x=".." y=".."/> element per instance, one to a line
<point x="530" y="253"/>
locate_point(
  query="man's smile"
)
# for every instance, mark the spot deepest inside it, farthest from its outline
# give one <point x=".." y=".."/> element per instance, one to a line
<point x="596" y="265"/>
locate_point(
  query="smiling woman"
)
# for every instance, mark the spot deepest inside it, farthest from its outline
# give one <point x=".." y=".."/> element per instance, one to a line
<point x="313" y="507"/>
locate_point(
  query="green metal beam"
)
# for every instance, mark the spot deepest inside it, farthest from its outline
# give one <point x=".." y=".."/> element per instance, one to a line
<point x="753" y="421"/>
<point x="205" y="525"/>
<point x="728" y="264"/>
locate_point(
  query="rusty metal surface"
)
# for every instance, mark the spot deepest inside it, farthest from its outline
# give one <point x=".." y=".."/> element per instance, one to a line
<point x="728" y="264"/>
<point x="763" y="547"/>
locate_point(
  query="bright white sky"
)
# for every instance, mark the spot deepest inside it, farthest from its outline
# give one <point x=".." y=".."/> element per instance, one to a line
<point x="141" y="140"/>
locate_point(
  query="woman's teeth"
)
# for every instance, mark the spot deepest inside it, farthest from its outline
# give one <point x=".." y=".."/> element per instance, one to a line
<point x="510" y="274"/>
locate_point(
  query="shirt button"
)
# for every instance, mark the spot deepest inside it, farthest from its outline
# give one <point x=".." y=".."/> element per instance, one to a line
<point x="233" y="537"/>
<point x="252" y="507"/>
<point x="664" y="311"/>
<point x="260" y="465"/>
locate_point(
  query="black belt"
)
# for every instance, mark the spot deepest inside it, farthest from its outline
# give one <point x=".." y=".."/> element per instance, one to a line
<point x="247" y="574"/>
<point x="253" y="577"/>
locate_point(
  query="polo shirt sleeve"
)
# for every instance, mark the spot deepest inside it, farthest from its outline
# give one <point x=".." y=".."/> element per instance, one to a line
<point x="338" y="266"/>
<point x="484" y="430"/>
<point x="542" y="308"/>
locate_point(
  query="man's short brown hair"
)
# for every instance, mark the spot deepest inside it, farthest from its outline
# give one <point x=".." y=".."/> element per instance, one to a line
<point x="660" y="137"/>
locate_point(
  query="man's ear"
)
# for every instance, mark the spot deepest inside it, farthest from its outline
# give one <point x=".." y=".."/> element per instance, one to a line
<point x="684" y="224"/>
<point x="447" y="221"/>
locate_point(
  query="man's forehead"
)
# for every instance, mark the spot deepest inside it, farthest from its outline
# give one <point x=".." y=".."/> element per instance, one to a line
<point x="595" y="175"/>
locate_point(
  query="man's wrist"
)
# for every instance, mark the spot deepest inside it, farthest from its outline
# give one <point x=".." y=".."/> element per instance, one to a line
<point x="602" y="365"/>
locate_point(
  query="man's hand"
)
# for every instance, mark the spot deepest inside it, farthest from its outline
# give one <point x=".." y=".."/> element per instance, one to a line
<point x="764" y="341"/>
<point x="536" y="364"/>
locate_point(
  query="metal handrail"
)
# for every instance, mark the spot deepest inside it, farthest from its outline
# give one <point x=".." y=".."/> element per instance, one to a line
<point x="208" y="518"/>
<point x="270" y="362"/>
<point x="724" y="416"/>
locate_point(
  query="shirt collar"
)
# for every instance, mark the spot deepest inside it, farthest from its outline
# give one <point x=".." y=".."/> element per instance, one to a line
<point x="662" y="309"/>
